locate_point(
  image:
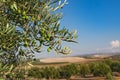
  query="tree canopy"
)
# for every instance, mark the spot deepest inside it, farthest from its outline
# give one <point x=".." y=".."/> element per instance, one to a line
<point x="27" y="26"/>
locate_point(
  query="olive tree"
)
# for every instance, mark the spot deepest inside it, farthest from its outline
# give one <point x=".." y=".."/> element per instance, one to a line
<point x="84" y="70"/>
<point x="27" y="26"/>
<point x="100" y="69"/>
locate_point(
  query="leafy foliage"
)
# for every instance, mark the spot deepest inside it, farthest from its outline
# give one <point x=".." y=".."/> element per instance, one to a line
<point x="84" y="70"/>
<point x="115" y="66"/>
<point x="68" y="71"/>
<point x="47" y="72"/>
<point x="100" y="69"/>
<point x="19" y="74"/>
<point x="110" y="77"/>
<point x="36" y="72"/>
<point x="5" y="70"/>
<point x="27" y="26"/>
<point x="51" y="73"/>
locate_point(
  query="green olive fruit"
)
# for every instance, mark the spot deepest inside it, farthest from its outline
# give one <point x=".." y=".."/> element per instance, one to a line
<point x="48" y="49"/>
<point x="19" y="11"/>
<point x="24" y="13"/>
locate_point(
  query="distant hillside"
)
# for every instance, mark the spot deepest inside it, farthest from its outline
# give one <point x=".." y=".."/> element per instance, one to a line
<point x="115" y="57"/>
<point x="99" y="55"/>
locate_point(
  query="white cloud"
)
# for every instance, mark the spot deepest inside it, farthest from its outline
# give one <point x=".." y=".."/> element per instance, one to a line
<point x="115" y="44"/>
<point x="114" y="47"/>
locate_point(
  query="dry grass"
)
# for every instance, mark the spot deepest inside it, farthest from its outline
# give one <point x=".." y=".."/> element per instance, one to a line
<point x="66" y="59"/>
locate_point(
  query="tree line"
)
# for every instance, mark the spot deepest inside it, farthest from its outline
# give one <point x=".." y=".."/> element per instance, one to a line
<point x="96" y="69"/>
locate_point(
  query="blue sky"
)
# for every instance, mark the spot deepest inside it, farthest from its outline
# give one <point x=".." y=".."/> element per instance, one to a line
<point x="97" y="23"/>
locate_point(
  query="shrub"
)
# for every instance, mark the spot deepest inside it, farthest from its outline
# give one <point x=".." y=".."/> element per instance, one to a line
<point x="115" y="66"/>
<point x="20" y="73"/>
<point x="67" y="71"/>
<point x="47" y="72"/>
<point x="50" y="73"/>
<point x="100" y="69"/>
<point x="108" y="62"/>
<point x="73" y="68"/>
<point x="84" y="69"/>
<point x="110" y="77"/>
<point x="35" y="72"/>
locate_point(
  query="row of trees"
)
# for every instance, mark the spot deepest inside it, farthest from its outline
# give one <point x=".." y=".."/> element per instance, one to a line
<point x="114" y="65"/>
<point x="101" y="69"/>
<point x="65" y="72"/>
